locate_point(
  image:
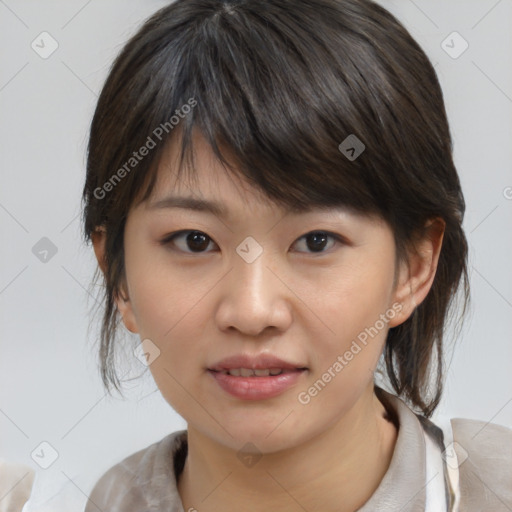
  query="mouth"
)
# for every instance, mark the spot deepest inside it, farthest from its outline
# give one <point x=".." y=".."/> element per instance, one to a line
<point x="263" y="372"/>
<point x="257" y="384"/>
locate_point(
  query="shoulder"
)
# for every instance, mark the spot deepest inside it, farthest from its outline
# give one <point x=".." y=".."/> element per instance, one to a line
<point x="130" y="484"/>
<point x="15" y="485"/>
<point x="484" y="453"/>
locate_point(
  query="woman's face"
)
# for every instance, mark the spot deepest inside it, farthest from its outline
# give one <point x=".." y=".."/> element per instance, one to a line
<point x="257" y="280"/>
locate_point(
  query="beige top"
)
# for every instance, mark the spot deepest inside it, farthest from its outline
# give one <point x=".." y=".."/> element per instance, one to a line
<point x="146" y="480"/>
<point x="15" y="484"/>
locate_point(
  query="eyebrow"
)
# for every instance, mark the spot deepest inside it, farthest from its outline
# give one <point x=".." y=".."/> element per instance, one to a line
<point x="216" y="208"/>
<point x="189" y="203"/>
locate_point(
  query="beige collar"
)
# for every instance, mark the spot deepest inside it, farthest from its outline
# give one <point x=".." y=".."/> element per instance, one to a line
<point x="403" y="488"/>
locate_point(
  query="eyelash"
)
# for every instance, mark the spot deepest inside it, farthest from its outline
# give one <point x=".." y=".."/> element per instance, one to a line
<point x="169" y="239"/>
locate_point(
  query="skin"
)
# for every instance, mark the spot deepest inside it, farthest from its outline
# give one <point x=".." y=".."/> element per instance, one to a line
<point x="301" y="305"/>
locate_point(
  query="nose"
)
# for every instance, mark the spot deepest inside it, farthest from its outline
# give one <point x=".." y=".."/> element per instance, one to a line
<point x="254" y="297"/>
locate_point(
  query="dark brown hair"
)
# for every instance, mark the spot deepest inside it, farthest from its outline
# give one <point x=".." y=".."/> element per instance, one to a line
<point x="281" y="84"/>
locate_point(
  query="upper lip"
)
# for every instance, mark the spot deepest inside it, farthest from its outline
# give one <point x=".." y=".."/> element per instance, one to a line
<point x="258" y="362"/>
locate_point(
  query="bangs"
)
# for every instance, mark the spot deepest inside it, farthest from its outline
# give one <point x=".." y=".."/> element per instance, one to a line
<point x="273" y="103"/>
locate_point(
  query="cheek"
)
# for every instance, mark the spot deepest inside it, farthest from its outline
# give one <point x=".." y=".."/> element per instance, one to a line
<point x="164" y="294"/>
<point x="351" y="306"/>
<point x="171" y="306"/>
<point x="169" y="311"/>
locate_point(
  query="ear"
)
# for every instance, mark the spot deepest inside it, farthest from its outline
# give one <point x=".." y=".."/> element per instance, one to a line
<point x="415" y="280"/>
<point x="122" y="300"/>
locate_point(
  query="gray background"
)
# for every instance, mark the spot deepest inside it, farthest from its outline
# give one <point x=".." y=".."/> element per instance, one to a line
<point x="49" y="387"/>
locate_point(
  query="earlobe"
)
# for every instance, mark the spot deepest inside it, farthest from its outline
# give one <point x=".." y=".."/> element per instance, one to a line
<point x="124" y="305"/>
<point x="404" y="296"/>
<point x="98" y="237"/>
<point x="122" y="300"/>
<point x="416" y="279"/>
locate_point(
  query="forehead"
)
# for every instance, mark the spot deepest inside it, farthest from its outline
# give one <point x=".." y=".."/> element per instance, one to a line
<point x="205" y="184"/>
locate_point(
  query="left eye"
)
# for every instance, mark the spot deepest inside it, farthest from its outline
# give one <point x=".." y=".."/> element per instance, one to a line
<point x="198" y="241"/>
<point x="195" y="240"/>
<point x="316" y="240"/>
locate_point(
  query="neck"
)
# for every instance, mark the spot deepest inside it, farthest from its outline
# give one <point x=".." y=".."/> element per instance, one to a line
<point x="337" y="470"/>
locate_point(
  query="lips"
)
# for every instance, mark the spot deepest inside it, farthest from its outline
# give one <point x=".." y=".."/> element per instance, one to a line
<point x="248" y="366"/>
<point x="257" y="388"/>
<point x="247" y="372"/>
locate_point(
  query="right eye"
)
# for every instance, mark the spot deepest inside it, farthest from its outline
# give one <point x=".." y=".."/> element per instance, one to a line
<point x="196" y="241"/>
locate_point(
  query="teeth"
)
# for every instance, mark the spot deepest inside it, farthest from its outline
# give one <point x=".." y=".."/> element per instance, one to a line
<point x="247" y="372"/>
<point x="262" y="373"/>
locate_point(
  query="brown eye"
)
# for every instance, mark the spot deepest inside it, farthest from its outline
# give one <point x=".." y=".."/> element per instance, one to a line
<point x="193" y="242"/>
<point x="316" y="241"/>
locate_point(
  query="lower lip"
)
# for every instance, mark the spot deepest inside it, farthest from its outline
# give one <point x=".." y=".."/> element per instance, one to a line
<point x="256" y="388"/>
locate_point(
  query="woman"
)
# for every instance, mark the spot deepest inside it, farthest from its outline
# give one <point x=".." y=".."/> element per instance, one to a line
<point x="274" y="206"/>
